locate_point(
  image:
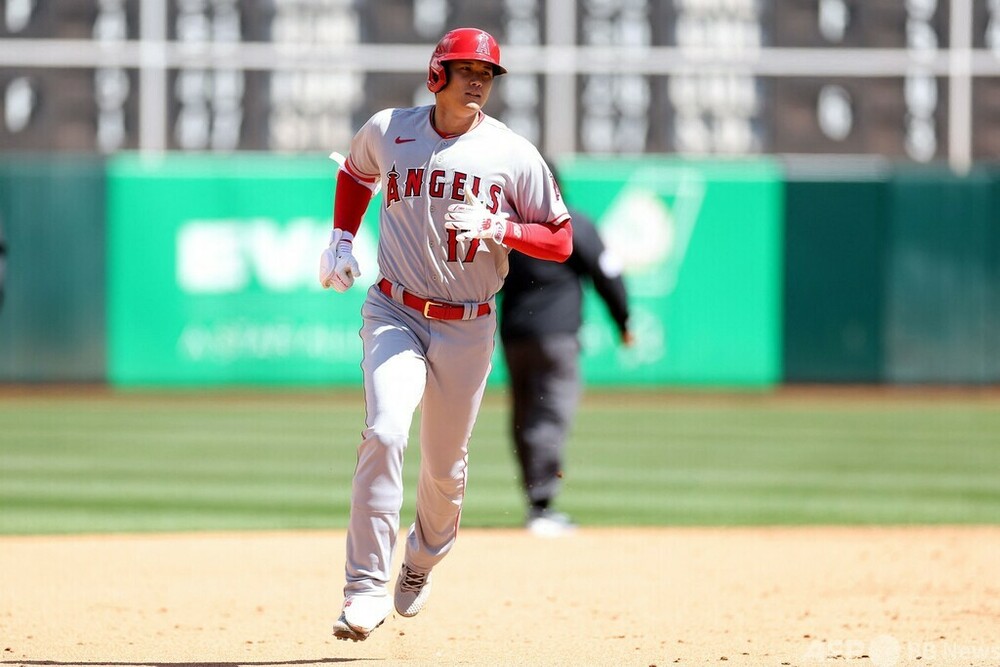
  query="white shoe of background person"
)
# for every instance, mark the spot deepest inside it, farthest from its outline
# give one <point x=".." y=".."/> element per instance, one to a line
<point x="412" y="590"/>
<point x="549" y="523"/>
<point x="361" y="615"/>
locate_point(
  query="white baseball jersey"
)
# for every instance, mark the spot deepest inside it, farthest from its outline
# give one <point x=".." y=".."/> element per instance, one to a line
<point x="422" y="172"/>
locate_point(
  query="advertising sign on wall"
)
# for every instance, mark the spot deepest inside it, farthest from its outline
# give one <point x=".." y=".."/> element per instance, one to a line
<point x="213" y="273"/>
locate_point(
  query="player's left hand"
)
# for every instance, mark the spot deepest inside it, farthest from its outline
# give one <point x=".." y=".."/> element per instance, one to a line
<point x="337" y="266"/>
<point x="475" y="221"/>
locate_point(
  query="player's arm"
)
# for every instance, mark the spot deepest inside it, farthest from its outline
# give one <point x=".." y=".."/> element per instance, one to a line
<point x="338" y="268"/>
<point x="350" y="201"/>
<point x="544" y="240"/>
<point x="540" y="239"/>
<point x="592" y="259"/>
<point x="540" y="199"/>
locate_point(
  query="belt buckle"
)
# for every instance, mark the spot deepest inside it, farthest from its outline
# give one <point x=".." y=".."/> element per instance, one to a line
<point x="427" y="305"/>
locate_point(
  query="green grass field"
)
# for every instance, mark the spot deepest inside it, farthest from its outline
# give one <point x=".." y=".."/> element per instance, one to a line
<point x="206" y="461"/>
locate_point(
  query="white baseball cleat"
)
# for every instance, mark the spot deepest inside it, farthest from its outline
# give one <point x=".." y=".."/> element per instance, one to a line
<point x="548" y="523"/>
<point x="361" y="615"/>
<point x="412" y="590"/>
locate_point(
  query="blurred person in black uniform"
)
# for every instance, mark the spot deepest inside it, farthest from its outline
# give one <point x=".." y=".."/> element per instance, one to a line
<point x="540" y="319"/>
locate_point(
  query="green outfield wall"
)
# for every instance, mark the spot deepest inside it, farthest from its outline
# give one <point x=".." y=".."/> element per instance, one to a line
<point x="52" y="319"/>
<point x="836" y="233"/>
<point x="892" y="274"/>
<point x="942" y="311"/>
<point x="200" y="270"/>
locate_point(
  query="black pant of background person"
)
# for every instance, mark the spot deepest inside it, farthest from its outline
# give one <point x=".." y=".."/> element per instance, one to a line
<point x="545" y="390"/>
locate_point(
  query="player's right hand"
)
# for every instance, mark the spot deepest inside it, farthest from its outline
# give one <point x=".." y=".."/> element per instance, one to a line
<point x="337" y="266"/>
<point x="474" y="221"/>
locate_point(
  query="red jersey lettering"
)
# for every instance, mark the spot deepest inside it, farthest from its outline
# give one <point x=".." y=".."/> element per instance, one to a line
<point x="437" y="183"/>
<point x="457" y="192"/>
<point x="414" y="182"/>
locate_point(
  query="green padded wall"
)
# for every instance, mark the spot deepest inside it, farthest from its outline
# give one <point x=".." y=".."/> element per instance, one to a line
<point x="834" y="285"/>
<point x="52" y="318"/>
<point x="942" y="318"/>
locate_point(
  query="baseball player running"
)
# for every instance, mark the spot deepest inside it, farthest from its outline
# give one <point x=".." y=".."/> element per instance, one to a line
<point x="459" y="191"/>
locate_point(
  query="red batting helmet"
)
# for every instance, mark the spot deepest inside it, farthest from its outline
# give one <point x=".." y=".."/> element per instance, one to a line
<point x="462" y="44"/>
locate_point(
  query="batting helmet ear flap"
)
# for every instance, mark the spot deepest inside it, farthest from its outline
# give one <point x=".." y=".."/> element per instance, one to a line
<point x="437" y="77"/>
<point x="462" y="44"/>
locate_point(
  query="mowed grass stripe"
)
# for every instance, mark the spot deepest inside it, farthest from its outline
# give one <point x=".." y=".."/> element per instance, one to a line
<point x="928" y="433"/>
<point x="987" y="482"/>
<point x="179" y="490"/>
<point x="220" y="467"/>
<point x="101" y="519"/>
<point x="781" y="508"/>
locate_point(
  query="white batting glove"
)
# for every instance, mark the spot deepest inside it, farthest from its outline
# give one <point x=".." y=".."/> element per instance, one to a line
<point x="337" y="266"/>
<point x="475" y="221"/>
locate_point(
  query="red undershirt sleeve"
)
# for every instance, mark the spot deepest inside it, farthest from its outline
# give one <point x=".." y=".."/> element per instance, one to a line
<point x="541" y="240"/>
<point x="350" y="200"/>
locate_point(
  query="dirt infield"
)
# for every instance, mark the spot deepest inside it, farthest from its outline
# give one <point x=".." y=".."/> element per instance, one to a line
<point x="742" y="596"/>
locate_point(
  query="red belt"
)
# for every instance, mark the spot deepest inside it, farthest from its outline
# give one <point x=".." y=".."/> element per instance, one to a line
<point x="433" y="310"/>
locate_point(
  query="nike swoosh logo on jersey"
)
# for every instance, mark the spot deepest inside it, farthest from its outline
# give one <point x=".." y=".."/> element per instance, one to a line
<point x="401" y="140"/>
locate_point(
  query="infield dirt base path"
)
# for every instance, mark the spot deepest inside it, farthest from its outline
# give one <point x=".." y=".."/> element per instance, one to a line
<point x="743" y="596"/>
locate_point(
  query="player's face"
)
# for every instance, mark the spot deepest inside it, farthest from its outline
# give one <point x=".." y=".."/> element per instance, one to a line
<point x="469" y="84"/>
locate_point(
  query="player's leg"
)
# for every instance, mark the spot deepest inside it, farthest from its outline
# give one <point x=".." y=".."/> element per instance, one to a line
<point x="394" y="377"/>
<point x="458" y="365"/>
<point x="523" y="358"/>
<point x="550" y="393"/>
